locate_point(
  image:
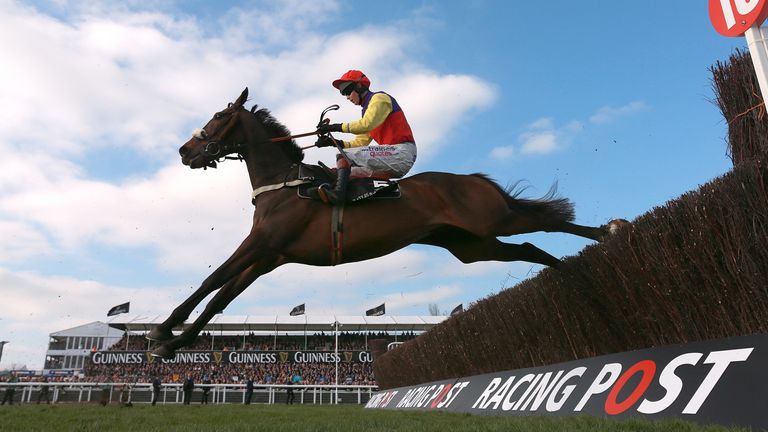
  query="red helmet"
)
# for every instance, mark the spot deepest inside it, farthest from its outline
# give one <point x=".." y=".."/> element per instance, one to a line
<point x="355" y="76"/>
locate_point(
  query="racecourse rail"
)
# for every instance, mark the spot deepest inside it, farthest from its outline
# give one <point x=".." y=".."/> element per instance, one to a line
<point x="126" y="392"/>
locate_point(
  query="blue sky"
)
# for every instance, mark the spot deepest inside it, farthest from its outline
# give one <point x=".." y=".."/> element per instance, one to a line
<point x="612" y="102"/>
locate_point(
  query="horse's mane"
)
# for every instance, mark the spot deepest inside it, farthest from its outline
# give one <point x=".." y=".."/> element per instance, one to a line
<point x="276" y="129"/>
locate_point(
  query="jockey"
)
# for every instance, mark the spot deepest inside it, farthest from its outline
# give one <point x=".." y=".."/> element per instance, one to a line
<point x="383" y="121"/>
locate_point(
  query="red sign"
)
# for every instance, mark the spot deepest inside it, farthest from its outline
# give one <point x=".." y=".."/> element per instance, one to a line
<point x="734" y="17"/>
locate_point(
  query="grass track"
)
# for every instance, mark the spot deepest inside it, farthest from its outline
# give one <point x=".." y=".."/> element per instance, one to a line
<point x="299" y="418"/>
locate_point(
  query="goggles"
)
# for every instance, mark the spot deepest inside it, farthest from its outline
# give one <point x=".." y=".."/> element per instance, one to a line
<point x="347" y="88"/>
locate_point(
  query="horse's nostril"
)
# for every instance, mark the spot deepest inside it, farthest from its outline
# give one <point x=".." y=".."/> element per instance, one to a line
<point x="182" y="151"/>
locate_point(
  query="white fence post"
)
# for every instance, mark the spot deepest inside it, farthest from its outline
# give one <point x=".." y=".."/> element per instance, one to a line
<point x="758" y="49"/>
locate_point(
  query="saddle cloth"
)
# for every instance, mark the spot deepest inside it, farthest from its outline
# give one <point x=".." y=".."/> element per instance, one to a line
<point x="357" y="190"/>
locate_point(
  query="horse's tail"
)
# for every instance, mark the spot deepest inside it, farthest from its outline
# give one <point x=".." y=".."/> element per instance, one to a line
<point x="549" y="207"/>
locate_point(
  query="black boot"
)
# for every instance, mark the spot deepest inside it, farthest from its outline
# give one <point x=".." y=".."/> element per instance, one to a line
<point x="338" y="194"/>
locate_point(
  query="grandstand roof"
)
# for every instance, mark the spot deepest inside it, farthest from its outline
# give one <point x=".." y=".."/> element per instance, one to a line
<point x="96" y="328"/>
<point x="287" y="323"/>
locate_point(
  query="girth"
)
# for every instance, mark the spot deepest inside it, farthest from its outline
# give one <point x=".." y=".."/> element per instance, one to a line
<point x="307" y="178"/>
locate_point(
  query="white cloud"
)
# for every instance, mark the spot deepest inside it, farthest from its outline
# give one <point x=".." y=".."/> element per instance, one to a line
<point x="541" y="137"/>
<point x="539" y="143"/>
<point x="107" y="79"/>
<point x="20" y="240"/>
<point x="430" y="104"/>
<point x="609" y="113"/>
<point x="425" y="297"/>
<point x="138" y="82"/>
<point x="545" y="123"/>
<point x="34" y="306"/>
<point x="502" y="153"/>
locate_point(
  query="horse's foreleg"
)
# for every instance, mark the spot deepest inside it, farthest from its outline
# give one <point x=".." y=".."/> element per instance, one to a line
<point x="226" y="294"/>
<point x="235" y="265"/>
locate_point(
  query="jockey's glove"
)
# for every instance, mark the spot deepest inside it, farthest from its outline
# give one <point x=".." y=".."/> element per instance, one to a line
<point x="325" y="128"/>
<point x="327" y="141"/>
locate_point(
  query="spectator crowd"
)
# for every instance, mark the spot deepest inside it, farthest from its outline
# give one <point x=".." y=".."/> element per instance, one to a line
<point x="281" y="372"/>
<point x="250" y="342"/>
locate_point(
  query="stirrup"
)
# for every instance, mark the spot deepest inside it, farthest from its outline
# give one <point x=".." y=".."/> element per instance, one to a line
<point x="328" y="196"/>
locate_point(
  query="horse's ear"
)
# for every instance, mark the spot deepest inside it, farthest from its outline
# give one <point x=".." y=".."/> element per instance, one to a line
<point x="243" y="97"/>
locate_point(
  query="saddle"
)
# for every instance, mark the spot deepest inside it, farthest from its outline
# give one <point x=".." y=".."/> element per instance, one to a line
<point x="357" y="189"/>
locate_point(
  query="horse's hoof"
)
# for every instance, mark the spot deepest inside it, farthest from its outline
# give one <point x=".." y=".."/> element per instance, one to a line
<point x="159" y="335"/>
<point x="616" y="224"/>
<point x="164" y="352"/>
<point x="613" y="226"/>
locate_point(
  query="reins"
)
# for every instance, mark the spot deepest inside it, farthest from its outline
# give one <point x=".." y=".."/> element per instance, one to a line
<point x="290" y="137"/>
<point x="323" y="120"/>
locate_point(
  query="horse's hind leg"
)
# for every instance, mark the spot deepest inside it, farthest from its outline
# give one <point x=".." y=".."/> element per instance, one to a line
<point x="469" y="248"/>
<point x="495" y="250"/>
<point x="600" y="233"/>
<point x="594" y="233"/>
<point x="516" y="224"/>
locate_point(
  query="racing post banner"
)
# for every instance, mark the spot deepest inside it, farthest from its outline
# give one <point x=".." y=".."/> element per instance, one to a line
<point x="721" y="381"/>
<point x="232" y="357"/>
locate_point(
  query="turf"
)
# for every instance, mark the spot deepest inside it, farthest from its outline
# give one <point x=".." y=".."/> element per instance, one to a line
<point x="73" y="417"/>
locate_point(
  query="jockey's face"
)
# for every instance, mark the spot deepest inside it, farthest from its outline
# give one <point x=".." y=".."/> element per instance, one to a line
<point x="354" y="97"/>
<point x="353" y="92"/>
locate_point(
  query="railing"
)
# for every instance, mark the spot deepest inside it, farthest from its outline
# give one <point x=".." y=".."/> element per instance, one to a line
<point x="141" y="393"/>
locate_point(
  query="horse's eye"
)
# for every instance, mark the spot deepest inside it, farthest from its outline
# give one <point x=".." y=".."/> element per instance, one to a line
<point x="217" y="116"/>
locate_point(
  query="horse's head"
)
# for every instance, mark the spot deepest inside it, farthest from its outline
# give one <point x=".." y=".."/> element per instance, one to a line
<point x="247" y="133"/>
<point x="218" y="138"/>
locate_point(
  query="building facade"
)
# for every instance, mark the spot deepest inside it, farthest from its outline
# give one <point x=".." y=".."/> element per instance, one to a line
<point x="68" y="350"/>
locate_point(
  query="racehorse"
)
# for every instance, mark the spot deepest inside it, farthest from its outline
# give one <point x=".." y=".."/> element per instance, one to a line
<point x="461" y="213"/>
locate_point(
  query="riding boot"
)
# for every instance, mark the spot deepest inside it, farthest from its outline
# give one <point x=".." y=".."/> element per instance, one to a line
<point x="338" y="194"/>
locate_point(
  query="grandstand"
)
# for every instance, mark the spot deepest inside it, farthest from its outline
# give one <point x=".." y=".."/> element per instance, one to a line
<point x="306" y="349"/>
<point x="69" y="350"/>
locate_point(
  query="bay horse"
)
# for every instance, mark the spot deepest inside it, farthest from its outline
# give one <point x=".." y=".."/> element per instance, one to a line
<point x="461" y="213"/>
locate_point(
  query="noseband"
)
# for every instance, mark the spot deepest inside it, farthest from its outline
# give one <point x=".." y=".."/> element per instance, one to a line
<point x="214" y="150"/>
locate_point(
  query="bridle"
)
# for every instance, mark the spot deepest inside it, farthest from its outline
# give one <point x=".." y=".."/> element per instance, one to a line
<point x="214" y="150"/>
<point x="217" y="150"/>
